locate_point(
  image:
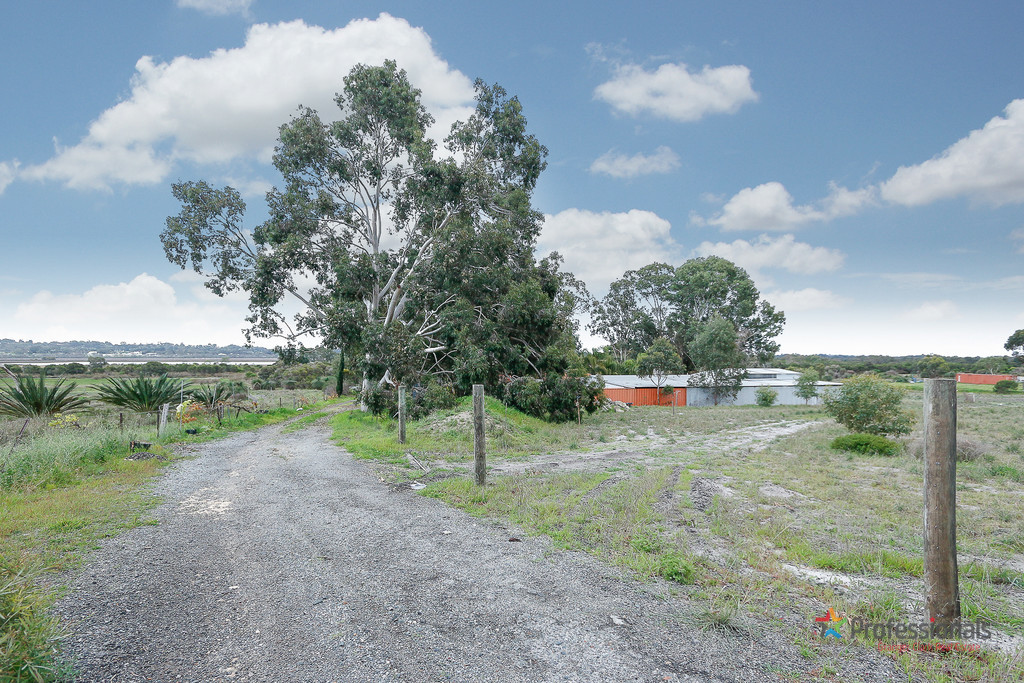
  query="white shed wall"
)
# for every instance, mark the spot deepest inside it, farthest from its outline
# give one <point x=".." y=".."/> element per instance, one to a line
<point x="699" y="396"/>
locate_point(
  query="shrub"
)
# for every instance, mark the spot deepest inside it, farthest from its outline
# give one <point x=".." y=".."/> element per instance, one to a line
<point x="29" y="636"/>
<point x="420" y="400"/>
<point x="866" y="443"/>
<point x="766" y="397"/>
<point x="380" y="401"/>
<point x="143" y="394"/>
<point x="556" y="398"/>
<point x="870" y="405"/>
<point x="432" y="397"/>
<point x="526" y="395"/>
<point x="1004" y="386"/>
<point x="28" y="398"/>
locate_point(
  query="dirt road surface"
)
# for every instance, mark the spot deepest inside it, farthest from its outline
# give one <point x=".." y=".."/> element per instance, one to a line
<point x="279" y="558"/>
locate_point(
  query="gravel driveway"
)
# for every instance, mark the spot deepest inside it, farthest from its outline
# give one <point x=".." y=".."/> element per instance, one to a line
<point x="279" y="558"/>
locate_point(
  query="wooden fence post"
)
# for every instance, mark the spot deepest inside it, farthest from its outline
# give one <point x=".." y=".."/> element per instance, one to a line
<point x="480" y="456"/>
<point x="401" y="413"/>
<point x="163" y="419"/>
<point x="942" y="593"/>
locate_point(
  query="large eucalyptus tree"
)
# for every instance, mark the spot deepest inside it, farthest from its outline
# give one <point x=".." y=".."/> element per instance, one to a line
<point x="366" y="228"/>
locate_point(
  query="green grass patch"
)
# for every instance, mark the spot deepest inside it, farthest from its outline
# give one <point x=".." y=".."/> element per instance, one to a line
<point x="304" y="421"/>
<point x="869" y="444"/>
<point x="448" y="435"/>
<point x="617" y="522"/>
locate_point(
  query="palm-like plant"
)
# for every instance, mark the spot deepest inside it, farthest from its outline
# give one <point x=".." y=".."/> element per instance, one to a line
<point x="142" y="394"/>
<point x="28" y="398"/>
<point x="211" y="394"/>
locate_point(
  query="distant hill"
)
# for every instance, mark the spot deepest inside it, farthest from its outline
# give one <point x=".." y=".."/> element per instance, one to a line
<point x="32" y="350"/>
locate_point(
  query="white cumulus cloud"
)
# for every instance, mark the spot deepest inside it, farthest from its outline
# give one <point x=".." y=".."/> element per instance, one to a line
<point x="600" y="247"/>
<point x="144" y="309"/>
<point x="934" y="310"/>
<point x="782" y="252"/>
<point x="673" y="92"/>
<point x="987" y="165"/>
<point x="618" y="165"/>
<point x="230" y="104"/>
<point x="217" y="6"/>
<point x="809" y="299"/>
<point x="8" y="170"/>
<point x="770" y="206"/>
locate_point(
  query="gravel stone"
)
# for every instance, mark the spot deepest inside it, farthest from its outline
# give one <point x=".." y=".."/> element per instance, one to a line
<point x="279" y="558"/>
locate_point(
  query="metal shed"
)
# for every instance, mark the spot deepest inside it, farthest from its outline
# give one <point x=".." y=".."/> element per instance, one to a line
<point x="642" y="391"/>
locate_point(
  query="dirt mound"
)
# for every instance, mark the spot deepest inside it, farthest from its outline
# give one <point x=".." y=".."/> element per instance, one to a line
<point x="463" y="422"/>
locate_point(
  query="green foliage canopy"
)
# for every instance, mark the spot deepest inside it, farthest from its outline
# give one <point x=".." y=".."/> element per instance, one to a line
<point x="420" y="263"/>
<point x="661" y="301"/>
<point x="660" y="360"/>
<point x="1015" y="343"/>
<point x="718" y="359"/>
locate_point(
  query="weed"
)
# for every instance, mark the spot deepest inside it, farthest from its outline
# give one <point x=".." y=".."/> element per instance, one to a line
<point x="29" y="636"/>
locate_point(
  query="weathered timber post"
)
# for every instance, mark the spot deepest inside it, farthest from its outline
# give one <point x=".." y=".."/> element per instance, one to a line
<point x="401" y="413"/>
<point x="163" y="419"/>
<point x="480" y="457"/>
<point x="942" y="593"/>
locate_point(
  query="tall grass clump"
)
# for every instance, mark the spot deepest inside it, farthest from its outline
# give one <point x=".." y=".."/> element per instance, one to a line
<point x="142" y="394"/>
<point x="29" y="636"/>
<point x="57" y="457"/>
<point x="28" y="398"/>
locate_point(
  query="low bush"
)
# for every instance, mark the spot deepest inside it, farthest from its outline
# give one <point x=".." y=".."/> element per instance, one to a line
<point x="556" y="398"/>
<point x="866" y="443"/>
<point x="766" y="397"/>
<point x="870" y="405"/>
<point x="1004" y="386"/>
<point x="420" y="400"/>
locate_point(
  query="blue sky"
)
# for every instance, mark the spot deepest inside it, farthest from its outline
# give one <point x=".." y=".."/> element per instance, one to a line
<point x="864" y="163"/>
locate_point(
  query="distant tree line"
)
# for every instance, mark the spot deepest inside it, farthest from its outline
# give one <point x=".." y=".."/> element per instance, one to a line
<point x="18" y="348"/>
